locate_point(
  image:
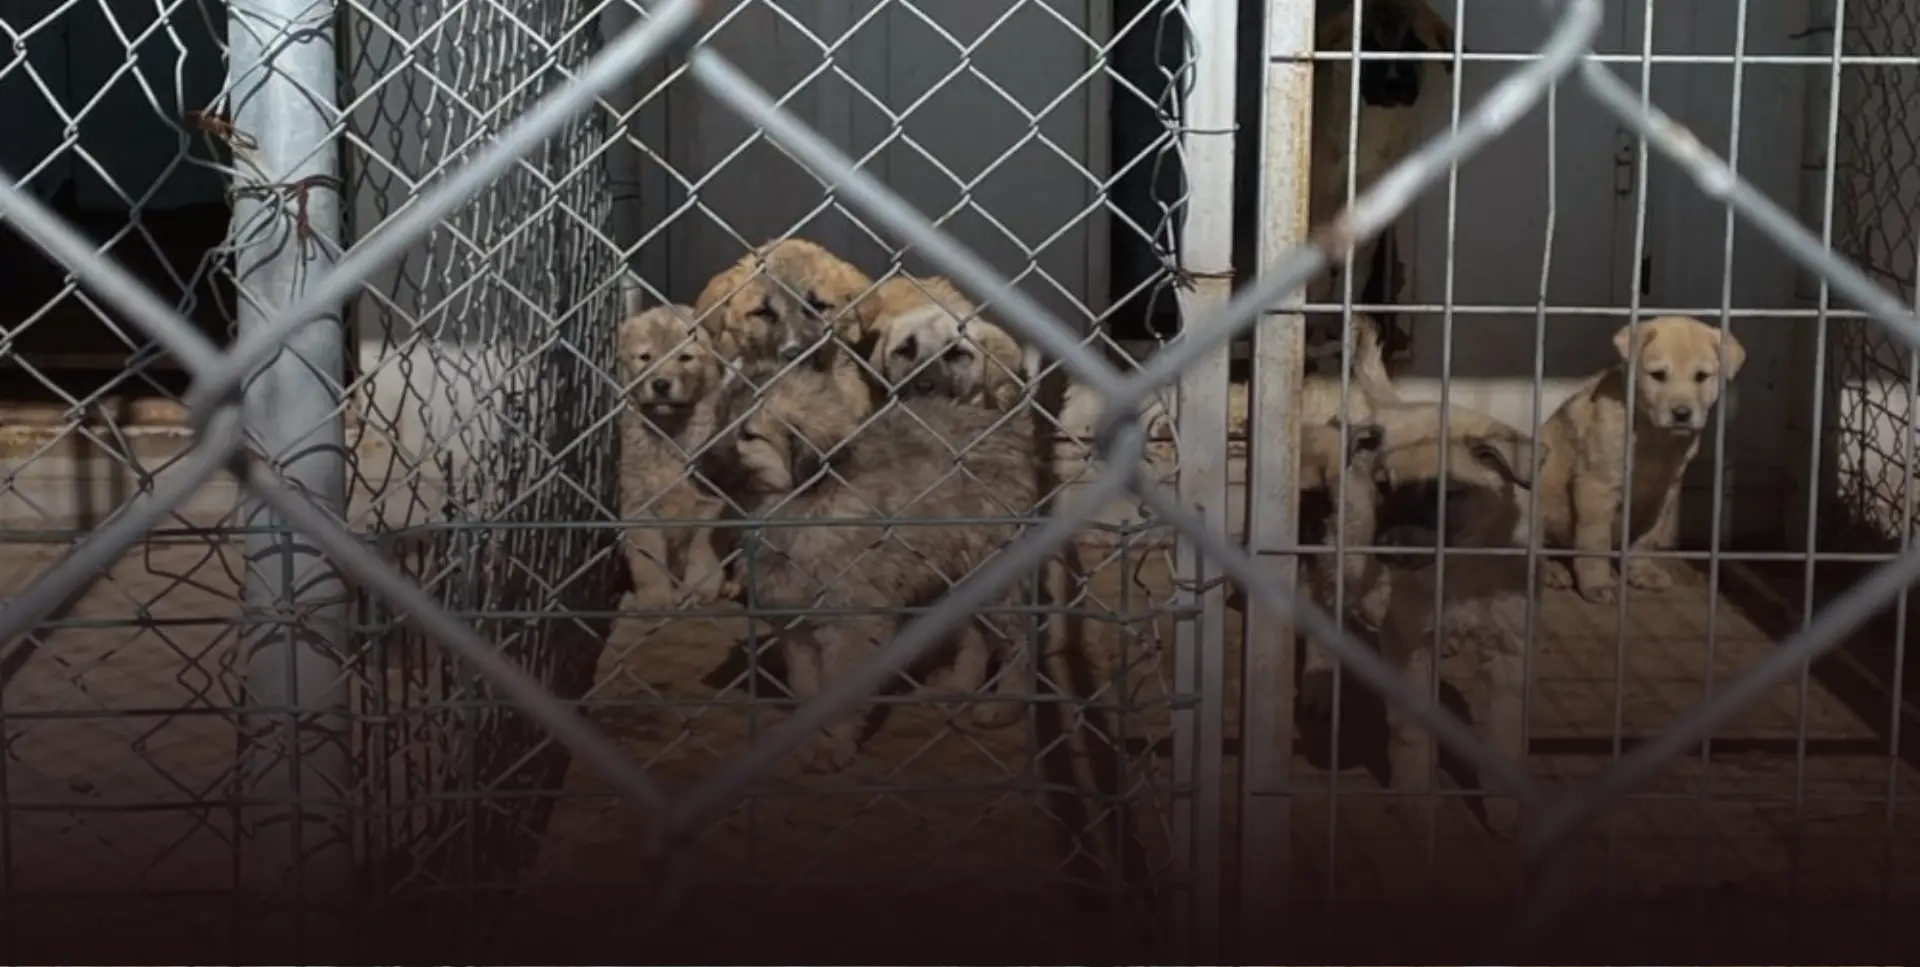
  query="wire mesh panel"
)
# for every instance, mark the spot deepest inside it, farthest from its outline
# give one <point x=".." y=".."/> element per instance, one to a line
<point x="480" y="405"/>
<point x="1057" y="826"/>
<point x="1876" y="168"/>
<point x="120" y="710"/>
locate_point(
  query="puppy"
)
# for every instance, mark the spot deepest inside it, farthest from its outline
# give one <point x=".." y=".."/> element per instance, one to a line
<point x="1681" y="364"/>
<point x="1324" y="474"/>
<point x="793" y="454"/>
<point x="1392" y="93"/>
<point x="667" y="366"/>
<point x="928" y="340"/>
<point x="1481" y="469"/>
<point x="783" y="300"/>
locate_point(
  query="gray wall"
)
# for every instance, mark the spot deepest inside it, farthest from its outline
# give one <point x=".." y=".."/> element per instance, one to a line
<point x="1006" y="171"/>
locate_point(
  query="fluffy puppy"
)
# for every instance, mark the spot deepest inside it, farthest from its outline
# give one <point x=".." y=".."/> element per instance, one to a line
<point x="1392" y="93"/>
<point x="793" y="454"/>
<point x="1337" y="495"/>
<point x="1481" y="470"/>
<point x="929" y="340"/>
<point x="1324" y="474"/>
<point x="667" y="366"/>
<point x="1681" y="364"/>
<point x="783" y="299"/>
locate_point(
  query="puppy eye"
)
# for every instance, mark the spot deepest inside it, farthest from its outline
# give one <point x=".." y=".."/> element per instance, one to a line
<point x="686" y="357"/>
<point x="763" y="312"/>
<point x="959" y="356"/>
<point x="1701" y="376"/>
<point x="818" y="304"/>
<point x="907" y="349"/>
<point x="748" y="436"/>
<point x="644" y="357"/>
<point x="1659" y="375"/>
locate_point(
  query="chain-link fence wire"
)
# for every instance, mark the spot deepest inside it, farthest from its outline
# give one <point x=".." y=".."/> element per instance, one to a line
<point x="119" y="706"/>
<point x="217" y="376"/>
<point x="479" y="356"/>
<point x="1870" y="379"/>
<point x="1099" y="728"/>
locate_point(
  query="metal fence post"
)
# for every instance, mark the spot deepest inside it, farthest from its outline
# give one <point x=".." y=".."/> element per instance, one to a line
<point x="1206" y="253"/>
<point x="297" y="773"/>
<point x="1267" y="676"/>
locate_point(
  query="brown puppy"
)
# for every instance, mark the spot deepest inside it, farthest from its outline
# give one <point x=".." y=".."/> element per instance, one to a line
<point x="799" y="451"/>
<point x="782" y="300"/>
<point x="929" y="340"/>
<point x="667" y="366"/>
<point x="1681" y="366"/>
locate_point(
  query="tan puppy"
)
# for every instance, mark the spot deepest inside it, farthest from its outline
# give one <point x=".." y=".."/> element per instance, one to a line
<point x="667" y="366"/>
<point x="929" y="340"/>
<point x="1681" y="365"/>
<point x="781" y="301"/>
<point x="1337" y="496"/>
<point x="1365" y="590"/>
<point x="788" y="456"/>
<point x="1482" y="469"/>
<point x="1392" y="93"/>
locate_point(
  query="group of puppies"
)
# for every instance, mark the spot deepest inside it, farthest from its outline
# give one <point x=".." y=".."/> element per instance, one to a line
<point x="795" y="389"/>
<point x="1399" y="467"/>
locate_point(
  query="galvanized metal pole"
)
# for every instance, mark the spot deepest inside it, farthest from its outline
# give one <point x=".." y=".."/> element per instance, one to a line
<point x="1206" y="252"/>
<point x="286" y="226"/>
<point x="1267" y="675"/>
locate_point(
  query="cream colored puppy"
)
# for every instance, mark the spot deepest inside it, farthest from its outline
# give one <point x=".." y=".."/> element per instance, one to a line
<point x="667" y="367"/>
<point x="783" y="299"/>
<point x="929" y="340"/>
<point x="802" y="451"/>
<point x="1680" y="366"/>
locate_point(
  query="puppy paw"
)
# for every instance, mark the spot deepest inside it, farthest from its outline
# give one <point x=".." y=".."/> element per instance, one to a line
<point x="716" y="593"/>
<point x="1649" y="576"/>
<point x="651" y="598"/>
<point x="1599" y="592"/>
<point x="995" y="715"/>
<point x="825" y="753"/>
<point x="1556" y="575"/>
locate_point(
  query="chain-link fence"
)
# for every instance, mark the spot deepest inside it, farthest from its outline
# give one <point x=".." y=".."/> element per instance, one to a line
<point x="359" y="271"/>
<point x="1871" y="381"/>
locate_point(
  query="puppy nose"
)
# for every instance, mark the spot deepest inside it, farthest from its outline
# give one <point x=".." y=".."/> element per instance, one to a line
<point x="789" y="352"/>
<point x="662" y="386"/>
<point x="1682" y="414"/>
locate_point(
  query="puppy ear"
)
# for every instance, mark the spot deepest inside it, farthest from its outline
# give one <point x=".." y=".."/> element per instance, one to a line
<point x="1623" y="341"/>
<point x="1435" y="31"/>
<point x="1511" y="459"/>
<point x="1731" y="351"/>
<point x="1361" y="437"/>
<point x="1334" y="28"/>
